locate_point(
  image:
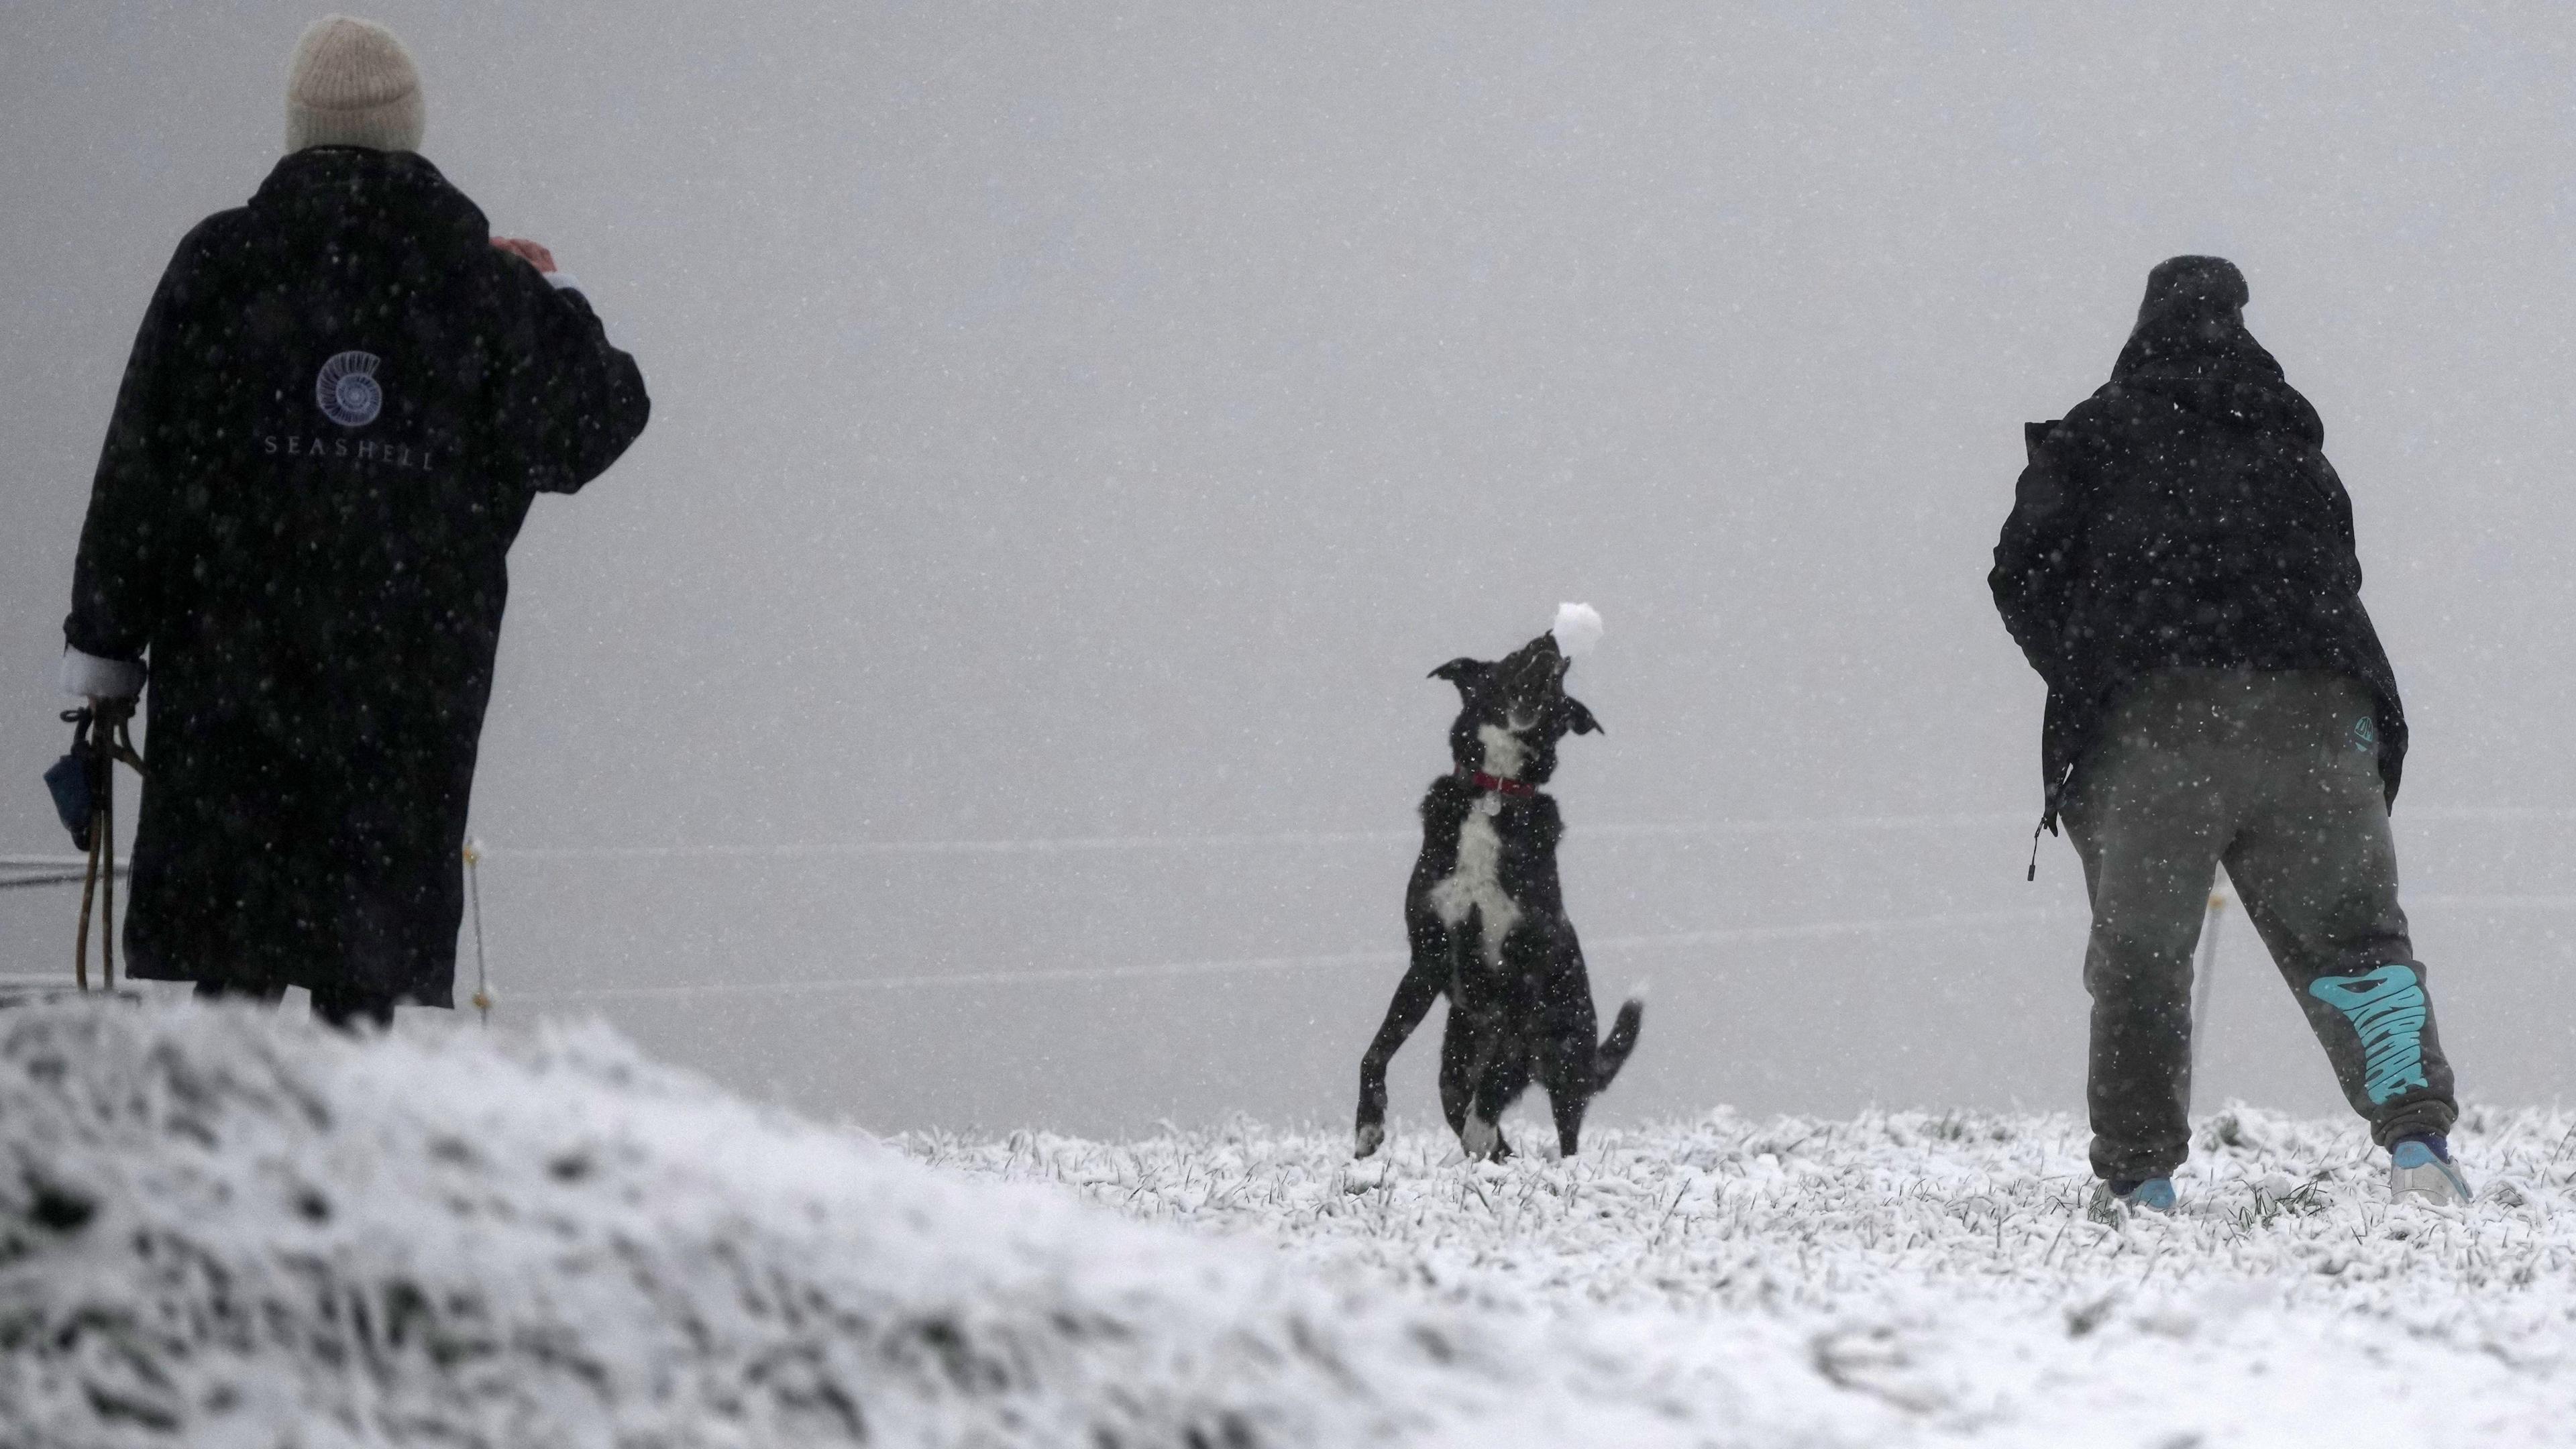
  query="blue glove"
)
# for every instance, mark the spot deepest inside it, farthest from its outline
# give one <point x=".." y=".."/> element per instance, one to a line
<point x="69" y="780"/>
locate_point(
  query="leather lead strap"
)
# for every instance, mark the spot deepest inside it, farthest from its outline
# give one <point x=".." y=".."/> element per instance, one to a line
<point x="2047" y="820"/>
<point x="103" y="734"/>
<point x="89" y="892"/>
<point x="106" y="866"/>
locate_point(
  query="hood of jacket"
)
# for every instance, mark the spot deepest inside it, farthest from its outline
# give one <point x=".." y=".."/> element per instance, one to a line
<point x="2210" y="367"/>
<point x="323" y="186"/>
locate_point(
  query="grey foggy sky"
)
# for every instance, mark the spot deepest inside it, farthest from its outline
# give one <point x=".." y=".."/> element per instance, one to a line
<point x="1091" y="421"/>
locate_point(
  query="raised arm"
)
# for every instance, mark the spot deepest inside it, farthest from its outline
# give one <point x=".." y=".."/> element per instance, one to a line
<point x="569" y="401"/>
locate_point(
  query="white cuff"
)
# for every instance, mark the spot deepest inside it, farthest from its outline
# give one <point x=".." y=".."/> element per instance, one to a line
<point x="565" y="280"/>
<point x="90" y="677"/>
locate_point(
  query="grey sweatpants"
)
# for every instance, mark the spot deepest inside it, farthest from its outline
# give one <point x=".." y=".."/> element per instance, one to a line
<point x="2274" y="774"/>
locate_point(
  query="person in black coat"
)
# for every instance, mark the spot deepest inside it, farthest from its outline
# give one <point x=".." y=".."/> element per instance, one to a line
<point x="342" y="401"/>
<point x="2179" y="568"/>
<point x="2184" y="516"/>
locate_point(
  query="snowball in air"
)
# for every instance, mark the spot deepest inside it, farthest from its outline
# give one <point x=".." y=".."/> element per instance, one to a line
<point x="1577" y="629"/>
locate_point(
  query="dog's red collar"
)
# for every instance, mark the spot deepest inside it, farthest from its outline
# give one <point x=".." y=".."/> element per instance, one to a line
<point x="1483" y="781"/>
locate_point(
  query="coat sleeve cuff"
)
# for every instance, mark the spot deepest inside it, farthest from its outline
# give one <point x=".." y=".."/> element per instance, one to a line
<point x="90" y="677"/>
<point x="565" y="280"/>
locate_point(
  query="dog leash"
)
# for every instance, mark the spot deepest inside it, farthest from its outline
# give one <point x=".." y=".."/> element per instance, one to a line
<point x="2047" y="821"/>
<point x="474" y="893"/>
<point x="101" y="736"/>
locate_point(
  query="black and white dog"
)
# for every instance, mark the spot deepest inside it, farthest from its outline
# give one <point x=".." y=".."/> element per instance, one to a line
<point x="1486" y="917"/>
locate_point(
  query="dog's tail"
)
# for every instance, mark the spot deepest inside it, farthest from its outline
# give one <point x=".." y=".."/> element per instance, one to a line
<point x="1621" y="1041"/>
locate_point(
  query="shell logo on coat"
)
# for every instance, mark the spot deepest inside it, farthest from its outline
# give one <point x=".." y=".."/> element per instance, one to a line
<point x="347" y="390"/>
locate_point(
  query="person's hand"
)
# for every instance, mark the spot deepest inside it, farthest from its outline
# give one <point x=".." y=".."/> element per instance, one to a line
<point x="533" y="253"/>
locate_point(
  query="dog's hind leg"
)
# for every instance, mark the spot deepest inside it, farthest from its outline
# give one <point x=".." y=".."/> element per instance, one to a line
<point x="1568" y="1109"/>
<point x="1576" y="1071"/>
<point x="1424" y="980"/>
<point x="1473" y="1089"/>
<point x="1571" y="1064"/>
<point x="1505" y="1076"/>
<point x="1565" y="1070"/>
<point x="1458" y="1063"/>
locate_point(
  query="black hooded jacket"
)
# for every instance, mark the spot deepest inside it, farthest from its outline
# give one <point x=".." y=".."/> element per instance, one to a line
<point x="2184" y="515"/>
<point x="341" y="404"/>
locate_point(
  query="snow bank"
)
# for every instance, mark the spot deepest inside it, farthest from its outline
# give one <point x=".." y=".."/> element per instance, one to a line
<point x="220" y="1228"/>
<point x="1936" y="1275"/>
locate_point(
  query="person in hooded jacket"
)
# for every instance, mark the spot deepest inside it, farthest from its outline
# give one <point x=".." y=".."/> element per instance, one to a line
<point x="2179" y="568"/>
<point x="343" y="400"/>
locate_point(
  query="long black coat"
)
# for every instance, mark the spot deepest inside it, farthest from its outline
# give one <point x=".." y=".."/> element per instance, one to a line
<point x="341" y="404"/>
<point x="2184" y="515"/>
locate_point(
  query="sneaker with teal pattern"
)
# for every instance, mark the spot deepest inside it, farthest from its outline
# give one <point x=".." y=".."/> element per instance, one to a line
<point x="2420" y="1170"/>
<point x="2113" y="1201"/>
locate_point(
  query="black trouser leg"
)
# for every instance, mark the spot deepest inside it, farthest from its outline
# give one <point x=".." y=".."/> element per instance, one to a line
<point x="2317" y="867"/>
<point x="2150" y="826"/>
<point x="345" y="1009"/>
<point x="234" y="991"/>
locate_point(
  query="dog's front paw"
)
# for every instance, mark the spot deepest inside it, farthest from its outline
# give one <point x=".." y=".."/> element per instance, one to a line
<point x="1368" y="1139"/>
<point x="1481" y="1139"/>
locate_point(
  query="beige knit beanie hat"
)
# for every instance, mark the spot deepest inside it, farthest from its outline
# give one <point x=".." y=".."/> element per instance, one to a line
<point x="352" y="84"/>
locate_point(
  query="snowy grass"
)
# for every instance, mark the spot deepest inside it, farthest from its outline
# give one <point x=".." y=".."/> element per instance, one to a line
<point x="221" y="1228"/>
<point x="1941" y="1268"/>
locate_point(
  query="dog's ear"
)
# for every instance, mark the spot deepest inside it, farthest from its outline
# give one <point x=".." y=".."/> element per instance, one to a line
<point x="1578" y="718"/>
<point x="1463" y="672"/>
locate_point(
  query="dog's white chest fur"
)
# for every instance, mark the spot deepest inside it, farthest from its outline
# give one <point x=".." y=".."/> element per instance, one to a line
<point x="1505" y="752"/>
<point x="1475" y="884"/>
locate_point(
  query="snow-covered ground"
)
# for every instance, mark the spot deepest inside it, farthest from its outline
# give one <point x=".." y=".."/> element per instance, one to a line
<point x="220" y="1228"/>
<point x="1924" y="1278"/>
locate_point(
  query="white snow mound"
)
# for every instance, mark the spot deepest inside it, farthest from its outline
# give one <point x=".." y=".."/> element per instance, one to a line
<point x="220" y="1228"/>
<point x="1577" y="629"/>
